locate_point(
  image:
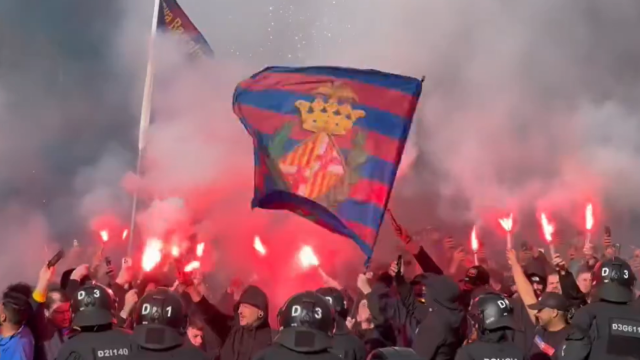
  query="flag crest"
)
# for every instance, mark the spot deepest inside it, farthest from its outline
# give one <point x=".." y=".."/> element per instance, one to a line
<point x="328" y="143"/>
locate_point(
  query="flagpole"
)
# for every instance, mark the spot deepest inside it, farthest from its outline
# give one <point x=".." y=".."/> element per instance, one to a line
<point x="145" y="117"/>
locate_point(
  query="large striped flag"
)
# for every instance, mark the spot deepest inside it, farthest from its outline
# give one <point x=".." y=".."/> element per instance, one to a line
<point x="328" y="142"/>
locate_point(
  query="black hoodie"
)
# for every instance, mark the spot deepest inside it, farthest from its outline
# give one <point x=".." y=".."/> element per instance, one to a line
<point x="442" y="329"/>
<point x="239" y="342"/>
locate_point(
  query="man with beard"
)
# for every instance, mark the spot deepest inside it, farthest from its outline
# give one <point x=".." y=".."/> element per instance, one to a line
<point x="551" y="314"/>
<point x="529" y="289"/>
<point x="242" y="336"/>
<point x="344" y="344"/>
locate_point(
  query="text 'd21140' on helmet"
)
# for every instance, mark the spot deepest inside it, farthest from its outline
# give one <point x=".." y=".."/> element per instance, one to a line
<point x="307" y="322"/>
<point x="160" y="320"/>
<point x="92" y="305"/>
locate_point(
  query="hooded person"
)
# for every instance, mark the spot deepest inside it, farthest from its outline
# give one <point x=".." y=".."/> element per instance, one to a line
<point x="344" y="343"/>
<point x="476" y="277"/>
<point x="441" y="323"/>
<point x="243" y="334"/>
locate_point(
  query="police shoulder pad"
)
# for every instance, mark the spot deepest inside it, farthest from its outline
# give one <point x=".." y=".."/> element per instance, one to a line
<point x="576" y="334"/>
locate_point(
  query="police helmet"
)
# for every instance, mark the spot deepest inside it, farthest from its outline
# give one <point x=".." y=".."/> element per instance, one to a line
<point x="393" y="353"/>
<point x="93" y="305"/>
<point x="336" y="299"/>
<point x="307" y="322"/>
<point x="491" y="311"/>
<point x="613" y="280"/>
<point x="160" y="320"/>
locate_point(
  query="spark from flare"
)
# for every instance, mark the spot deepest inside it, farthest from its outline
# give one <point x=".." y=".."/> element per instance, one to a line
<point x="192" y="266"/>
<point x="474" y="240"/>
<point x="589" y="217"/>
<point x="104" y="234"/>
<point x="307" y="257"/>
<point x="257" y="244"/>
<point x="125" y="233"/>
<point x="152" y="254"/>
<point x="547" y="227"/>
<point x="200" y="249"/>
<point x="507" y="223"/>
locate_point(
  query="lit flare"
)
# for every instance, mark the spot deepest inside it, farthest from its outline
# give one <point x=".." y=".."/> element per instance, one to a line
<point x="152" y="254"/>
<point x="589" y="217"/>
<point x="104" y="234"/>
<point x="547" y="227"/>
<point x="507" y="223"/>
<point x="257" y="244"/>
<point x="307" y="257"/>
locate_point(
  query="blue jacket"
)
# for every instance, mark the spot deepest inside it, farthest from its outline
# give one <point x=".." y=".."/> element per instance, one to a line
<point x="18" y="346"/>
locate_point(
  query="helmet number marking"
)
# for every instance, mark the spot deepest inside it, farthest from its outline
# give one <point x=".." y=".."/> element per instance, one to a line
<point x="296" y="310"/>
<point x="146" y="309"/>
<point x="502" y="304"/>
<point x="82" y="294"/>
<point x="330" y="300"/>
<point x="606" y="271"/>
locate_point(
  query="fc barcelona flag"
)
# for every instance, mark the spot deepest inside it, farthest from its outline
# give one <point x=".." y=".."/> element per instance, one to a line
<point x="328" y="142"/>
<point x="173" y="19"/>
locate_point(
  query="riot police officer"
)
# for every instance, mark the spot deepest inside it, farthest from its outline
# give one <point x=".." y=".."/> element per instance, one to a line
<point x="93" y="309"/>
<point x="344" y="343"/>
<point x="491" y="317"/>
<point x="161" y="326"/>
<point x="609" y="326"/>
<point x="306" y="326"/>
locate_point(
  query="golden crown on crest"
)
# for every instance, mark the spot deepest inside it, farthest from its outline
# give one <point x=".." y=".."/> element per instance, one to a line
<point x="335" y="116"/>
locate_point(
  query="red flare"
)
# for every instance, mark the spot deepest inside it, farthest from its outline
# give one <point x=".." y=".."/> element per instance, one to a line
<point x="200" y="249"/>
<point x="104" y="234"/>
<point x="125" y="233"/>
<point x="474" y="240"/>
<point x="192" y="266"/>
<point x="307" y="257"/>
<point x="589" y="217"/>
<point x="507" y="223"/>
<point x="152" y="254"/>
<point x="257" y="244"/>
<point x="175" y="251"/>
<point x="547" y="227"/>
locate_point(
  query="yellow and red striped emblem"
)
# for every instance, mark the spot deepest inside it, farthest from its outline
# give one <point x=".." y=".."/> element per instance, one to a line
<point x="313" y="167"/>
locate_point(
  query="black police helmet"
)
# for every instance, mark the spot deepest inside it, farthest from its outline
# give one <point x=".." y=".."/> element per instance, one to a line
<point x="336" y="299"/>
<point x="491" y="311"/>
<point x="613" y="280"/>
<point x="93" y="305"/>
<point x="393" y="353"/>
<point x="307" y="322"/>
<point x="160" y="320"/>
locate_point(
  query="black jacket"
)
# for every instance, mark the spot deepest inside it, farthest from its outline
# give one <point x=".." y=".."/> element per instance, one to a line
<point x="239" y="343"/>
<point x="347" y="345"/>
<point x="442" y="326"/>
<point x="279" y="352"/>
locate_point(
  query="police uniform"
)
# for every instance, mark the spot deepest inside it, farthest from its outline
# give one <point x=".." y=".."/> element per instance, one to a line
<point x="161" y="326"/>
<point x="307" y="322"/>
<point x="609" y="327"/>
<point x="491" y="315"/>
<point x="93" y="307"/>
<point x="344" y="343"/>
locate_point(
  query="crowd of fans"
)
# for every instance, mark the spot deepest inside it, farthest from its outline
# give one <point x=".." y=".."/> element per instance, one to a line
<point x="449" y="309"/>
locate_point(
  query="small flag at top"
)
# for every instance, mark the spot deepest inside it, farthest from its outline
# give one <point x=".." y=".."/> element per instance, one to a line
<point x="171" y="18"/>
<point x="328" y="143"/>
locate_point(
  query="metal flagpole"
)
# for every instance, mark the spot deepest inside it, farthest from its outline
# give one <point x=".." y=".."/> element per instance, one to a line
<point x="145" y="116"/>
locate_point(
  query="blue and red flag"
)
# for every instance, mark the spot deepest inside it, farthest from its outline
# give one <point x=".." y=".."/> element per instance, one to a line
<point x="173" y="19"/>
<point x="328" y="143"/>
